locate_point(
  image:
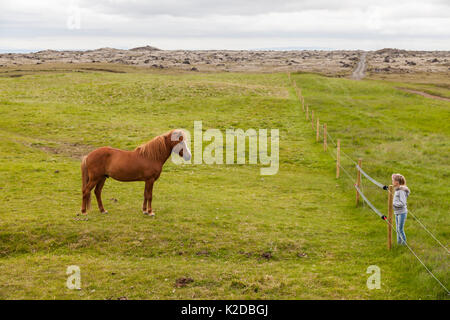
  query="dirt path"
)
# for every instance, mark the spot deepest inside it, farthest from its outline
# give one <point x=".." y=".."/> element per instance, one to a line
<point x="358" y="73"/>
<point x="424" y="94"/>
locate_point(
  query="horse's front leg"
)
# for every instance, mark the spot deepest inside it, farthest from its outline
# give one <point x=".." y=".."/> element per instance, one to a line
<point x="147" y="205"/>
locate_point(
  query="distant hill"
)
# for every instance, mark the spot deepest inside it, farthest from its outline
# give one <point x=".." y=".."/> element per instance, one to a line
<point x="146" y="48"/>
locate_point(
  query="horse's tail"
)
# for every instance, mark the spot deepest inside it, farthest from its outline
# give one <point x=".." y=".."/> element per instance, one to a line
<point x="85" y="180"/>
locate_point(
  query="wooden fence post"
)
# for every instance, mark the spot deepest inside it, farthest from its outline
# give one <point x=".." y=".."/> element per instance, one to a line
<point x="338" y="157"/>
<point x="358" y="180"/>
<point x="289" y="76"/>
<point x="312" y="119"/>
<point x="307" y="112"/>
<point x="390" y="213"/>
<point x="303" y="104"/>
<point x="317" y="130"/>
<point x="324" y="137"/>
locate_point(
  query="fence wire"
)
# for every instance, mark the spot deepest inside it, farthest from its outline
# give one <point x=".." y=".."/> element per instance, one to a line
<point x="409" y="211"/>
<point x="380" y="185"/>
<point x="382" y="216"/>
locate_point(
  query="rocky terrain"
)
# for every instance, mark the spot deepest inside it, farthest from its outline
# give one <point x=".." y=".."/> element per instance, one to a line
<point x="327" y="62"/>
<point x="402" y="61"/>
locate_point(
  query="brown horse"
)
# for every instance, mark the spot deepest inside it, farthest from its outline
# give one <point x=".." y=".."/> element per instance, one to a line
<point x="142" y="164"/>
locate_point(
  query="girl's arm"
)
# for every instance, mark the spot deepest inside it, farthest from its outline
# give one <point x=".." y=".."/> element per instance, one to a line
<point x="400" y="201"/>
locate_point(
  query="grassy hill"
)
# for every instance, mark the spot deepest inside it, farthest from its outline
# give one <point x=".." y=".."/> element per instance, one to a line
<point x="237" y="234"/>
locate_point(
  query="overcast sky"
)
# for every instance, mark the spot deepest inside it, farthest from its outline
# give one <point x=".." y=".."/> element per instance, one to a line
<point x="224" y="24"/>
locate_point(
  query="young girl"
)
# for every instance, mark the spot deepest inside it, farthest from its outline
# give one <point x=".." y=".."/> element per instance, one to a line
<point x="400" y="209"/>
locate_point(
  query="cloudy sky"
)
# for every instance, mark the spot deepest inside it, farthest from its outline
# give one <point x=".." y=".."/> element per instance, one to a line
<point x="224" y="24"/>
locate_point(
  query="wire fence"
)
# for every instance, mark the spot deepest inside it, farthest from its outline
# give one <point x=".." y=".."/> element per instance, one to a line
<point x="359" y="187"/>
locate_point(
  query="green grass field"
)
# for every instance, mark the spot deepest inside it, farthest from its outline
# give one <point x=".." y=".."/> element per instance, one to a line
<point x="237" y="234"/>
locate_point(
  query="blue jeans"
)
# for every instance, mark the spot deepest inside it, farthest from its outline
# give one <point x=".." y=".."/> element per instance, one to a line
<point x="400" y="223"/>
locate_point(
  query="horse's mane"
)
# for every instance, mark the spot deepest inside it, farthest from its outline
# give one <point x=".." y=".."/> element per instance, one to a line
<point x="154" y="149"/>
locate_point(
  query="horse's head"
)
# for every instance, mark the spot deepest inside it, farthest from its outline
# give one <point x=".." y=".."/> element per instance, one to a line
<point x="178" y="144"/>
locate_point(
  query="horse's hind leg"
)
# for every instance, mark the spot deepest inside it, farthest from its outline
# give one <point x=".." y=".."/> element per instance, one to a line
<point x="87" y="196"/>
<point x="98" y="194"/>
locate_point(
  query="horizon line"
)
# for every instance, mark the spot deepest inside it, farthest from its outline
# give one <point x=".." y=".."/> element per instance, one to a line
<point x="293" y="48"/>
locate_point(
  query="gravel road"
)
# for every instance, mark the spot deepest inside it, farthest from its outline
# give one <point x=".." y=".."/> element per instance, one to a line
<point x="358" y="73"/>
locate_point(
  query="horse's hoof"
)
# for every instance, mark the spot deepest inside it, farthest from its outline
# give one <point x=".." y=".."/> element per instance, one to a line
<point x="151" y="214"/>
<point x="105" y="212"/>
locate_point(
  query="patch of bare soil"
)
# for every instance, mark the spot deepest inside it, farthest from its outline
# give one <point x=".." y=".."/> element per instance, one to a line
<point x="203" y="253"/>
<point x="424" y="94"/>
<point x="104" y="70"/>
<point x="73" y="150"/>
<point x="183" y="282"/>
<point x="267" y="255"/>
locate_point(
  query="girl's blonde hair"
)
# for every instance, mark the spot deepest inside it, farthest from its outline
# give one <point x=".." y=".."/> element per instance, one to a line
<point x="399" y="178"/>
